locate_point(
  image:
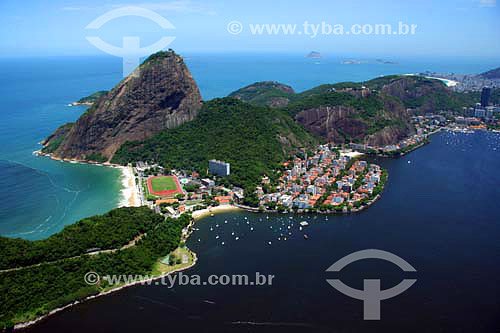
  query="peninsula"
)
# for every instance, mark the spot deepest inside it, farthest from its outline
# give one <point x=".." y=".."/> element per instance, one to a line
<point x="266" y="132"/>
<point x="263" y="148"/>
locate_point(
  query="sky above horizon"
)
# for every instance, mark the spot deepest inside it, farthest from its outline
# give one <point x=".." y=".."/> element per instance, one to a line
<point x="460" y="28"/>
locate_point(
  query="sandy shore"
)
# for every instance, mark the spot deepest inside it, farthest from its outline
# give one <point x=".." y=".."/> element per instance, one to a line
<point x="352" y="154"/>
<point x="199" y="214"/>
<point x="129" y="193"/>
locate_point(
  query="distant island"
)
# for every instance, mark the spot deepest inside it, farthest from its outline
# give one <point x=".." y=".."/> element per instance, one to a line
<point x="314" y="55"/>
<point x="376" y="61"/>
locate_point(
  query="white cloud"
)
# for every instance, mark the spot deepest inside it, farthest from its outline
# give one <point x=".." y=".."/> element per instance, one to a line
<point x="487" y="3"/>
<point x="72" y="8"/>
<point x="77" y="8"/>
<point x="177" y="6"/>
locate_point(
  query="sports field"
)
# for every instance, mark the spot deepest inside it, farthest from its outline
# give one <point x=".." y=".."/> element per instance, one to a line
<point x="164" y="186"/>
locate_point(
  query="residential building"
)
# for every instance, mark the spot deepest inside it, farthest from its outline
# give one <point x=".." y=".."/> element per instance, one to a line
<point x="219" y="168"/>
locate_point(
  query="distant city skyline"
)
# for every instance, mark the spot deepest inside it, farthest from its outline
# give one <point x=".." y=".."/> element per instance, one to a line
<point x="464" y="28"/>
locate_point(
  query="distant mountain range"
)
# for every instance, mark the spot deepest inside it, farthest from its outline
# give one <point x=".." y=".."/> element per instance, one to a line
<point x="313" y="54"/>
<point x="491" y="75"/>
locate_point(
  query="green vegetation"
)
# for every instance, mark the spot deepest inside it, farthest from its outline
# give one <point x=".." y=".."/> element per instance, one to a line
<point x="413" y="91"/>
<point x="367" y="105"/>
<point x="163" y="184"/>
<point x="96" y="157"/>
<point x="53" y="145"/>
<point x="430" y="94"/>
<point x="145" y="190"/>
<point x="174" y="261"/>
<point x="255" y="140"/>
<point x="93" y="98"/>
<point x="54" y="141"/>
<point x="267" y="93"/>
<point x="158" y="56"/>
<point x="34" y="291"/>
<point x="109" y="231"/>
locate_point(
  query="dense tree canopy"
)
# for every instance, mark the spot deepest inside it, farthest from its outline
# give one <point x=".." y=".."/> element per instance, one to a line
<point x="250" y="138"/>
<point x="34" y="291"/>
<point x="109" y="231"/>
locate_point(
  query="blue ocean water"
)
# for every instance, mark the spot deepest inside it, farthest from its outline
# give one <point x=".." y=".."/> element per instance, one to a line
<point x="39" y="196"/>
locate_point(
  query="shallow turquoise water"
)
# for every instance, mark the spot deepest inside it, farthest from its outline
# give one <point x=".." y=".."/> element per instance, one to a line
<point x="38" y="196"/>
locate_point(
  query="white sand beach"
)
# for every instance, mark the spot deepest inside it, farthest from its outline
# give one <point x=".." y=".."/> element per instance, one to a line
<point x="214" y="210"/>
<point x="130" y="196"/>
<point x="351" y="154"/>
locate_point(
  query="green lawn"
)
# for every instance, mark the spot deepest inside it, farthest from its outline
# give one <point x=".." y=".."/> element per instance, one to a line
<point x="163" y="184"/>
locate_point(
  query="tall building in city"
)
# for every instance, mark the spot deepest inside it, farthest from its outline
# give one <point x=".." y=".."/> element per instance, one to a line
<point x="485" y="96"/>
<point x="218" y="168"/>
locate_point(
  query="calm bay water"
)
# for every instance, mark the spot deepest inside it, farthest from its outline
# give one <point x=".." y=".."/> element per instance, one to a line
<point x="439" y="212"/>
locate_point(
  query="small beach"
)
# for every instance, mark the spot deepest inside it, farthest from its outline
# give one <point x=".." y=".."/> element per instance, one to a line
<point x="129" y="193"/>
<point x="199" y="214"/>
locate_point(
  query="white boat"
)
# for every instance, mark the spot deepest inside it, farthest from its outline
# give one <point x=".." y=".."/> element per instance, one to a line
<point x="304" y="223"/>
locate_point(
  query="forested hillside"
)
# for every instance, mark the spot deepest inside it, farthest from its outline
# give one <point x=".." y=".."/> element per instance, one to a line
<point x="109" y="231"/>
<point x="34" y="291"/>
<point x="253" y="139"/>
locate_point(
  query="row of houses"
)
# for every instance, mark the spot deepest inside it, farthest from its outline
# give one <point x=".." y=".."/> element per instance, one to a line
<point x="322" y="179"/>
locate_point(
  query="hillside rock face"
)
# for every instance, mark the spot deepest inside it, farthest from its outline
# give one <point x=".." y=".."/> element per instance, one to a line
<point x="159" y="94"/>
<point x="376" y="112"/>
<point x="325" y="121"/>
<point x="341" y="124"/>
<point x="423" y="95"/>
